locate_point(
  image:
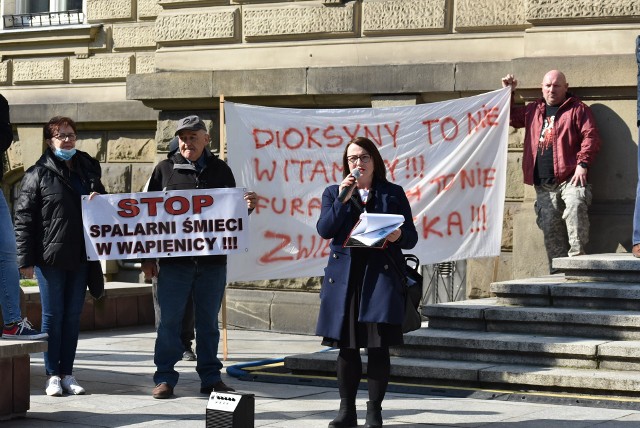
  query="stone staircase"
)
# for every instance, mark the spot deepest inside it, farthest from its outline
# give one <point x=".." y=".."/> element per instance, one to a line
<point x="575" y="332"/>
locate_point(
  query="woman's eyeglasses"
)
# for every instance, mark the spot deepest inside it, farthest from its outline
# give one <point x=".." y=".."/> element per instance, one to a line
<point x="362" y="158"/>
<point x="62" y="137"/>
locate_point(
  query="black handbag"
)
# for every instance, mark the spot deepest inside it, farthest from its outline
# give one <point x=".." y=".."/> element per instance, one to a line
<point x="95" y="280"/>
<point x="412" y="318"/>
<point x="413" y="294"/>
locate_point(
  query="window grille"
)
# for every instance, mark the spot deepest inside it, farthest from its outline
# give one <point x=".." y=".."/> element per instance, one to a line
<point x="43" y="19"/>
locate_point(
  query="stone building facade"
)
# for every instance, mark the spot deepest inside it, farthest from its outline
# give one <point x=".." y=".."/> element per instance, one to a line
<point x="128" y="68"/>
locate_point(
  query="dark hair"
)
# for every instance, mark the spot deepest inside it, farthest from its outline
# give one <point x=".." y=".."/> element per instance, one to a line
<point x="379" y="169"/>
<point x="54" y="124"/>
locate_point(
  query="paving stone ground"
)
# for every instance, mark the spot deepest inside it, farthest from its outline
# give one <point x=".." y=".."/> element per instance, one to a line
<point x="116" y="368"/>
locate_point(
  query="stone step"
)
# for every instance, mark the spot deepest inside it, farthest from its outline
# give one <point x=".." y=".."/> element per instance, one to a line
<point x="456" y="372"/>
<point x="464" y="315"/>
<point x="528" y="349"/>
<point x="600" y="267"/>
<point x="558" y="291"/>
<point x="487" y="315"/>
<point x="502" y="348"/>
<point x="485" y="375"/>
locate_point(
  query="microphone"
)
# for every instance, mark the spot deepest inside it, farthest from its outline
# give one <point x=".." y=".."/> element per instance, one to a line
<point x="342" y="197"/>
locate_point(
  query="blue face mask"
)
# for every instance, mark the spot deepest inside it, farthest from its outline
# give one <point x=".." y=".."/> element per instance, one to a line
<point x="64" y="154"/>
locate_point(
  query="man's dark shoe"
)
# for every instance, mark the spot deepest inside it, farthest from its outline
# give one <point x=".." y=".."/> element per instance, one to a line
<point x="219" y="386"/>
<point x="636" y="250"/>
<point x="162" y="391"/>
<point x="188" y="355"/>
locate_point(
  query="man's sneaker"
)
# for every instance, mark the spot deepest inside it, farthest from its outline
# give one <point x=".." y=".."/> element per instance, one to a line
<point x="162" y="390"/>
<point x="636" y="250"/>
<point x="219" y="386"/>
<point x="53" y="388"/>
<point x="22" y="330"/>
<point x="188" y="355"/>
<point x="70" y="386"/>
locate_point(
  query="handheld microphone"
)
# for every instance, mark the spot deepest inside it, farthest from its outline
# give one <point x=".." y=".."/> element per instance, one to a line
<point x="342" y="197"/>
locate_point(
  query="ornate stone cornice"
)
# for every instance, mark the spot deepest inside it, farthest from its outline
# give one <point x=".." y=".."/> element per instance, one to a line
<point x="58" y="40"/>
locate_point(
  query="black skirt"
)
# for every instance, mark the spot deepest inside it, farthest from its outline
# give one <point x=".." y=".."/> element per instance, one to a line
<point x="360" y="334"/>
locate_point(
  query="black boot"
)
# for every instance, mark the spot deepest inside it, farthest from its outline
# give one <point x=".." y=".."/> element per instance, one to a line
<point x="374" y="415"/>
<point x="347" y="417"/>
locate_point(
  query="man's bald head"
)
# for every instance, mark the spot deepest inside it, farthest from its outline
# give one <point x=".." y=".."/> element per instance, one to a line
<point x="554" y="87"/>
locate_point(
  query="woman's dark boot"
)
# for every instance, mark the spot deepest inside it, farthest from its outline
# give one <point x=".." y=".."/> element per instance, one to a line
<point x="347" y="417"/>
<point x="374" y="415"/>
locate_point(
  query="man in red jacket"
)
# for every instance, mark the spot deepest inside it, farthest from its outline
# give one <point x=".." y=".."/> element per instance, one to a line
<point x="560" y="144"/>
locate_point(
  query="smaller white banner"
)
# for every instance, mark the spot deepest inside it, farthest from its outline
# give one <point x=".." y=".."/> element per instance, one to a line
<point x="165" y="224"/>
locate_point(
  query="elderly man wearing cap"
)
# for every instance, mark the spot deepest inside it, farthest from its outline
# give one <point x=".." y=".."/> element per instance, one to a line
<point x="193" y="166"/>
<point x="188" y="322"/>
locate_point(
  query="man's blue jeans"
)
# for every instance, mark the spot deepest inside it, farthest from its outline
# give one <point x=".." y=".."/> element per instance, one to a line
<point x="175" y="282"/>
<point x="62" y="293"/>
<point x="9" y="275"/>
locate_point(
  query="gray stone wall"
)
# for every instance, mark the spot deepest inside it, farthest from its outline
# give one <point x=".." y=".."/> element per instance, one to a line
<point x="4" y="72"/>
<point x="134" y="36"/>
<point x="493" y="15"/>
<point x="197" y="25"/>
<point x="109" y="10"/>
<point x="40" y="71"/>
<point x="411" y="16"/>
<point x="101" y="68"/>
<point x="300" y="20"/>
<point x="550" y="11"/>
<point x="148" y="9"/>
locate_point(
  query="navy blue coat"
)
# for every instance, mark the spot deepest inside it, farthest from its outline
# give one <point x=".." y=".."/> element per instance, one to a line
<point x="382" y="298"/>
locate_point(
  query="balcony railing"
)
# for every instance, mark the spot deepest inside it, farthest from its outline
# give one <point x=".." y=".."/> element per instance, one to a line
<point x="44" y="19"/>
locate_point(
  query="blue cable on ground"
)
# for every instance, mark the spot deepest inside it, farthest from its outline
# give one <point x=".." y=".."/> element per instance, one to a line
<point x="237" y="372"/>
<point x="236" y="369"/>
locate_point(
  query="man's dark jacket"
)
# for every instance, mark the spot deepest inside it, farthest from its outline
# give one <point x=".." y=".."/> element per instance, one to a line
<point x="176" y="173"/>
<point x="48" y="214"/>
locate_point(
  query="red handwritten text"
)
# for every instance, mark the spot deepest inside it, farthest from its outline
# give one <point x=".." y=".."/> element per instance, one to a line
<point x="307" y="247"/>
<point x="454" y="224"/>
<point x="327" y="137"/>
<point x="466" y="178"/>
<point x="447" y="128"/>
<point x="289" y="206"/>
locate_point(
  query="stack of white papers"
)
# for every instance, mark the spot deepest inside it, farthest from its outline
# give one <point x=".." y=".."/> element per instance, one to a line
<point x="372" y="230"/>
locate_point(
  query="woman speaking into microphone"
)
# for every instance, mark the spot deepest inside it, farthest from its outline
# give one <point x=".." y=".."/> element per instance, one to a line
<point x="362" y="296"/>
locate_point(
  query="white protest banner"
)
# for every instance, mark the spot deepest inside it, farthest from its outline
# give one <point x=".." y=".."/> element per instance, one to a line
<point x="165" y="224"/>
<point x="450" y="157"/>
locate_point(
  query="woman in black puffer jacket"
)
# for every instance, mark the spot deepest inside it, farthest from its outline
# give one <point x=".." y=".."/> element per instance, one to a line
<point x="50" y="242"/>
